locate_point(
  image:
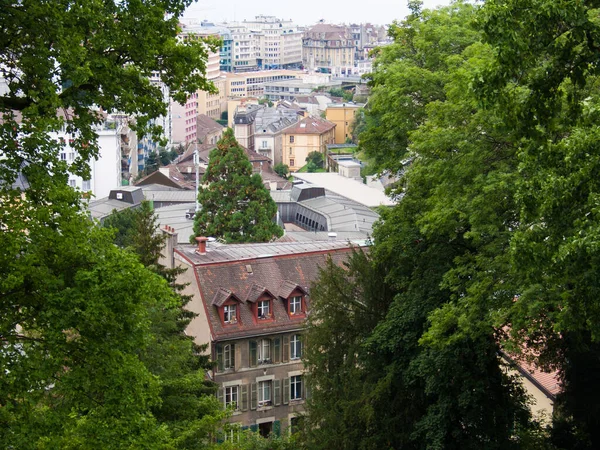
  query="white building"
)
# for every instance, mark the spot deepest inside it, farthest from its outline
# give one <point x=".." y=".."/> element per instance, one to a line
<point x="105" y="170"/>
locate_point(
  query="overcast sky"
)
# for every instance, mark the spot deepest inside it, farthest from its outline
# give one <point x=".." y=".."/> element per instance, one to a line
<point x="305" y="12"/>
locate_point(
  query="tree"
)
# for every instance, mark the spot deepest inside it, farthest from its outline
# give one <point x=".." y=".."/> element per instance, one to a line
<point x="428" y="368"/>
<point x="316" y="158"/>
<point x="547" y="83"/>
<point x="235" y="204"/>
<point x="282" y="170"/>
<point x="75" y="309"/>
<point x="188" y="406"/>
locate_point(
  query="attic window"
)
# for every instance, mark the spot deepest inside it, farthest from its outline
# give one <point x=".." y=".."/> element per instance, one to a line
<point x="248" y="268"/>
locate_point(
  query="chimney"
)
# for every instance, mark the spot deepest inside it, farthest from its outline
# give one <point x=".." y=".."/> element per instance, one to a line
<point x="201" y="245"/>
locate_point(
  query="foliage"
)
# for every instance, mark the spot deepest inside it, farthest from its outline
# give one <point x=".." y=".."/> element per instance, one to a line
<point x="316" y="158"/>
<point x="187" y="406"/>
<point x="282" y="170"/>
<point x="358" y="125"/>
<point x="265" y="101"/>
<point x="425" y="373"/>
<point x="343" y="93"/>
<point x="235" y="204"/>
<point x="77" y="313"/>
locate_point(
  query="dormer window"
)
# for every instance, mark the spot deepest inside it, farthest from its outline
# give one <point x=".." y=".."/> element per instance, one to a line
<point x="230" y="313"/>
<point x="264" y="309"/>
<point x="296" y="305"/>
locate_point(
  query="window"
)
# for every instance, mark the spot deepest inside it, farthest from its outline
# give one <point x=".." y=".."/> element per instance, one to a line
<point x="296" y="305"/>
<point x="264" y="393"/>
<point x="87" y="185"/>
<point x="264" y="144"/>
<point x="264" y="309"/>
<point x="230" y="314"/>
<point x="229" y="356"/>
<point x="291" y="139"/>
<point x="296" y="347"/>
<point x="63" y="156"/>
<point x="264" y="351"/>
<point x="72" y="183"/>
<point x="225" y="356"/>
<point x="296" y="387"/>
<point x="292" y="162"/>
<point x="231" y="397"/>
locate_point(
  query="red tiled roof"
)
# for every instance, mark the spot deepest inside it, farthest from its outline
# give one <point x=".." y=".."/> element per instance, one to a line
<point x="222" y="295"/>
<point x="256" y="292"/>
<point x="310" y="125"/>
<point x="265" y="274"/>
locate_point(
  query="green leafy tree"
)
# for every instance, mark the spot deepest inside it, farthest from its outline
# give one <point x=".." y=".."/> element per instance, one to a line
<point x="188" y="406"/>
<point x="75" y="309"/>
<point x="282" y="170"/>
<point x="316" y="158"/>
<point x="235" y="204"/>
<point x="430" y="370"/>
<point x="547" y="84"/>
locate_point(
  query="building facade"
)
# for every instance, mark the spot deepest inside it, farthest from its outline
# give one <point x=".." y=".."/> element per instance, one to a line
<point x="252" y="301"/>
<point x="328" y="49"/>
<point x="342" y="114"/>
<point x="311" y="134"/>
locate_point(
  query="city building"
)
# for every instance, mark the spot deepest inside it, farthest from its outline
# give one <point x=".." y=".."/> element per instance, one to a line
<point x="251" y="302"/>
<point x="308" y="135"/>
<point x="278" y="42"/>
<point x="329" y="49"/>
<point x="105" y="170"/>
<point x="243" y="53"/>
<point x="252" y="84"/>
<point x="243" y="124"/>
<point x="342" y="114"/>
<point x="292" y="89"/>
<point x="269" y="125"/>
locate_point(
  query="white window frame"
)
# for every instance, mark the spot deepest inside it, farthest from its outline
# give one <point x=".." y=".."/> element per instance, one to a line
<point x="231" y="396"/>
<point x="296" y="387"/>
<point x="295" y="347"/>
<point x="262" y="306"/>
<point x="228" y="356"/>
<point x="265" y="391"/>
<point x="230" y="313"/>
<point x="296" y="304"/>
<point x="263" y="349"/>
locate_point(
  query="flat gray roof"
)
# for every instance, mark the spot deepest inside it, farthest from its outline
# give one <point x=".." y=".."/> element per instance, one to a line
<point x="347" y="187"/>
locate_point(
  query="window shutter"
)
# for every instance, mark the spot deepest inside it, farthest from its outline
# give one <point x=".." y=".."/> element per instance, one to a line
<point x="302" y="388"/>
<point x="276" y="392"/>
<point x="286" y="349"/>
<point x="253" y="396"/>
<point x="277" y="428"/>
<point x="220" y="396"/>
<point x="244" y="395"/>
<point x="232" y="362"/>
<point x="219" y="350"/>
<point x="286" y="391"/>
<point x="252" y="353"/>
<point x="276" y="350"/>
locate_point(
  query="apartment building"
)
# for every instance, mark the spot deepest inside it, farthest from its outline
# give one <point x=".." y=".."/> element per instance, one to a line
<point x="252" y="301"/>
<point x="342" y="114"/>
<point x="308" y="135"/>
<point x="329" y="49"/>
<point x="243" y="124"/>
<point x="278" y="42"/>
<point x="269" y="125"/>
<point x="243" y="50"/>
<point x="252" y="84"/>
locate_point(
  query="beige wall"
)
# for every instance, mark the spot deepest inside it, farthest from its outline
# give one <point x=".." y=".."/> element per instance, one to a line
<point x="342" y="116"/>
<point x="294" y="153"/>
<point x="198" y="327"/>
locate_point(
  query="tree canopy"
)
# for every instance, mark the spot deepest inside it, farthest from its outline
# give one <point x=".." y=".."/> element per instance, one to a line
<point x="78" y="322"/>
<point x="235" y="204"/>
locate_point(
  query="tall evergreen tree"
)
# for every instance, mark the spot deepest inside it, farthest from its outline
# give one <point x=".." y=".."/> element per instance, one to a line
<point x="235" y="204"/>
<point x="187" y="405"/>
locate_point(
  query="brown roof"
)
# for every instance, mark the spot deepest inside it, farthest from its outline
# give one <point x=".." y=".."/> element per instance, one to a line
<point x="250" y="278"/>
<point x="310" y="125"/>
<point x="206" y="125"/>
<point x="222" y="295"/>
<point x="255" y="156"/>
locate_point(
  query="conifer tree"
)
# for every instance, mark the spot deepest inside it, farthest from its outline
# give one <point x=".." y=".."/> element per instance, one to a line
<point x="235" y="204"/>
